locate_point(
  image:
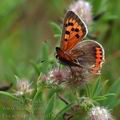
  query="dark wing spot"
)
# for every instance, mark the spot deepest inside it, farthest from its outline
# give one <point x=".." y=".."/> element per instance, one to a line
<point x="72" y="29"/>
<point x="66" y="40"/>
<point x="67" y="32"/>
<point x="101" y="58"/>
<point x="68" y="24"/>
<point x="94" y="50"/>
<point x="77" y="36"/>
<point x="77" y="30"/>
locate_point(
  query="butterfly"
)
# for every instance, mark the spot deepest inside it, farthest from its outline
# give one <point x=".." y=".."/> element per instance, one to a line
<point x="74" y="50"/>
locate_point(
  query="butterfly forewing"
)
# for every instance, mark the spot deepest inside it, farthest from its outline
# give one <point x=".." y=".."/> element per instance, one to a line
<point x="74" y="30"/>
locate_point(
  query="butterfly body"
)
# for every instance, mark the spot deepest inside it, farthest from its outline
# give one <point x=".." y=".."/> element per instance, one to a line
<point x="65" y="58"/>
<point x="74" y="51"/>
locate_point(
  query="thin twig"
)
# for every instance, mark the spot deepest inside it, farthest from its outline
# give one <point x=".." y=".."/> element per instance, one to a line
<point x="63" y="99"/>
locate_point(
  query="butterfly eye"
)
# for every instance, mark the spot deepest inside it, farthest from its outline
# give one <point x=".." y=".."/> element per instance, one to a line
<point x="57" y="48"/>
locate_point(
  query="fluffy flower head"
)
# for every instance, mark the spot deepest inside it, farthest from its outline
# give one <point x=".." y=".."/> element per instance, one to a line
<point x="99" y="113"/>
<point x="23" y="86"/>
<point x="84" y="10"/>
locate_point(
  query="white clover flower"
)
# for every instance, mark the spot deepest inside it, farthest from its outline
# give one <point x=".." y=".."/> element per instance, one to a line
<point x="84" y="10"/>
<point x="74" y="76"/>
<point x="99" y="113"/>
<point x="23" y="87"/>
<point x="55" y="76"/>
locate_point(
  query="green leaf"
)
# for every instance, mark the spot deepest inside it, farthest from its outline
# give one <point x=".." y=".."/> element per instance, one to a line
<point x="60" y="114"/>
<point x="57" y="36"/>
<point x="36" y="67"/>
<point x="96" y="5"/>
<point x="45" y="48"/>
<point x="49" y="110"/>
<point x="37" y="96"/>
<point x="8" y="95"/>
<point x="87" y="89"/>
<point x="97" y="88"/>
<point x="37" y="101"/>
<point x="115" y="88"/>
<point x="100" y="98"/>
<point x="56" y="29"/>
<point x="16" y="77"/>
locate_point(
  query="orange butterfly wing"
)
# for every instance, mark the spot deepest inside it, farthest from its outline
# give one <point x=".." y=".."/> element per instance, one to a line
<point x="74" y="30"/>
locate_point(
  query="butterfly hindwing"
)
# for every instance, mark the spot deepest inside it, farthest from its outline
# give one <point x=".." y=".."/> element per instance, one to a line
<point x="89" y="54"/>
<point x="74" y="30"/>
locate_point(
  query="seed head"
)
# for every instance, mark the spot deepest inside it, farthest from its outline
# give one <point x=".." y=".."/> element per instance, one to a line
<point x="23" y="86"/>
<point x="56" y="76"/>
<point x="73" y="76"/>
<point x="99" y="113"/>
<point x="84" y="10"/>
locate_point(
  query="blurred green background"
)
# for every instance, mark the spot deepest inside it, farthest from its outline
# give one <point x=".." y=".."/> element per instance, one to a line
<point x="25" y="32"/>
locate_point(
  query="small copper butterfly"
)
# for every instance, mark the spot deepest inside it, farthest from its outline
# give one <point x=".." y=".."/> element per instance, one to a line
<point x="74" y="51"/>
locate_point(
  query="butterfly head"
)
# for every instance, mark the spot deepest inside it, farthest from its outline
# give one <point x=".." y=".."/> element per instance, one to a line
<point x="57" y="52"/>
<point x="57" y="49"/>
